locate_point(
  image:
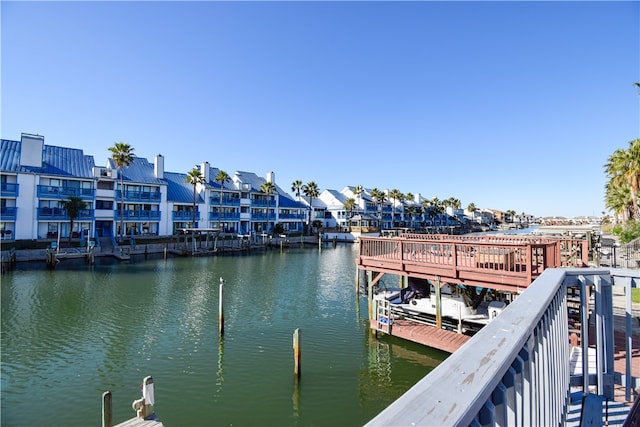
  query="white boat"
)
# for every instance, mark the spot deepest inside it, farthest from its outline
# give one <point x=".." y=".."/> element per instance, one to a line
<point x="419" y="301"/>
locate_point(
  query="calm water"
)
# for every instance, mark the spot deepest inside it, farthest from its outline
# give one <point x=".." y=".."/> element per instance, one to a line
<point x="69" y="335"/>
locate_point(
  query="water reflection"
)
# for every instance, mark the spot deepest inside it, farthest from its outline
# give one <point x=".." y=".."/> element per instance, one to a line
<point x="81" y="331"/>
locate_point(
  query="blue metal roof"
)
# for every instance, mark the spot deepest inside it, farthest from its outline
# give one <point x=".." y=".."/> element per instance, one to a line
<point x="67" y="161"/>
<point x="9" y="155"/>
<point x="255" y="181"/>
<point x="61" y="161"/>
<point x="140" y="170"/>
<point x="229" y="185"/>
<point x="178" y="190"/>
<point x="285" y="201"/>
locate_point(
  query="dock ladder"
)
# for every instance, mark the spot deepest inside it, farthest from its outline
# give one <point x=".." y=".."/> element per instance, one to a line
<point x="384" y="319"/>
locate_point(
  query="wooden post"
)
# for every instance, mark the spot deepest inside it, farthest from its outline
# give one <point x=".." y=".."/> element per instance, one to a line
<point x="296" y="352"/>
<point x="165" y="252"/>
<point x="220" y="308"/>
<point x="107" y="413"/>
<point x="438" y="304"/>
<point x="357" y="281"/>
<point x="370" y="293"/>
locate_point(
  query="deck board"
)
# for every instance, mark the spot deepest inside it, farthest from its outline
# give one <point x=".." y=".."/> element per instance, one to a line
<point x="139" y="422"/>
<point x="430" y="336"/>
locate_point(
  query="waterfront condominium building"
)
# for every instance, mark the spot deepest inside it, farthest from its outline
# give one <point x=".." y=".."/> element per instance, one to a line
<point x="139" y="199"/>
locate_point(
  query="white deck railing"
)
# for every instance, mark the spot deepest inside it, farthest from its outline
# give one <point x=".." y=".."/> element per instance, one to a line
<point x="516" y="370"/>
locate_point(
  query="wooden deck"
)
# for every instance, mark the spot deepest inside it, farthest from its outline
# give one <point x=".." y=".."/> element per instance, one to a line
<point x="505" y="263"/>
<point x="430" y="336"/>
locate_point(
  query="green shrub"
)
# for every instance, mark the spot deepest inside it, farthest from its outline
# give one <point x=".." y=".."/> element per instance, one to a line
<point x="627" y="232"/>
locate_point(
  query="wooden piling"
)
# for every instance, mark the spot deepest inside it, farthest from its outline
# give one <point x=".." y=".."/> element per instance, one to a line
<point x="296" y="352"/>
<point x="220" y="308"/>
<point x="438" y="304"/>
<point x="107" y="412"/>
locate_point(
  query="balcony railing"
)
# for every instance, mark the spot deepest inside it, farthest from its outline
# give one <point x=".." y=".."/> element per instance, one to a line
<point x="140" y="196"/>
<point x="53" y="192"/>
<point x="226" y="216"/>
<point x="290" y="216"/>
<point x="517" y="369"/>
<point x="59" y="214"/>
<point x="226" y="201"/>
<point x="263" y="203"/>
<point x="184" y="216"/>
<point x="8" y="213"/>
<point x="263" y="217"/>
<point x="9" y="189"/>
<point x="145" y="215"/>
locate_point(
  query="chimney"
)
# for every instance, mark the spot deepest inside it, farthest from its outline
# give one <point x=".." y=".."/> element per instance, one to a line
<point x="205" y="170"/>
<point x="271" y="177"/>
<point x="158" y="167"/>
<point x="31" y="150"/>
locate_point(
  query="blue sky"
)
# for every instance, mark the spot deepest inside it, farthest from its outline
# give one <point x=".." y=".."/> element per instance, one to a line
<point x="509" y="105"/>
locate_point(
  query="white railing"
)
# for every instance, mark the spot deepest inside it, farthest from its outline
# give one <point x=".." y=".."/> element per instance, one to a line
<point x="516" y="370"/>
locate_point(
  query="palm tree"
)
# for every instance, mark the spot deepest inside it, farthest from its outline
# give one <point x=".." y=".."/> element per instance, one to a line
<point x="296" y="187"/>
<point x="312" y="191"/>
<point x="623" y="167"/>
<point x="410" y="211"/>
<point x="122" y="155"/>
<point x="221" y="178"/>
<point x="472" y="208"/>
<point x="194" y="177"/>
<point x="380" y="197"/>
<point x="350" y="205"/>
<point x="409" y="197"/>
<point x="426" y="209"/>
<point x="618" y="199"/>
<point x="73" y="206"/>
<point x="395" y="194"/>
<point x="357" y="191"/>
<point x="268" y="188"/>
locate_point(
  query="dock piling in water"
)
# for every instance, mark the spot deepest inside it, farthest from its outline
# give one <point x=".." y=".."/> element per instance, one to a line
<point x="220" y="308"/>
<point x="296" y="352"/>
<point x="107" y="412"/>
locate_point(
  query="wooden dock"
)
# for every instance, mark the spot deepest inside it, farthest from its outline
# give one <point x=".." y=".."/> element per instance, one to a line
<point x="143" y="408"/>
<point x="139" y="422"/>
<point x="430" y="336"/>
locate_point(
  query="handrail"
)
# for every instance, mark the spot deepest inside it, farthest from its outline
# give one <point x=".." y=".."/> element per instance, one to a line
<point x="516" y="370"/>
<point x="514" y="261"/>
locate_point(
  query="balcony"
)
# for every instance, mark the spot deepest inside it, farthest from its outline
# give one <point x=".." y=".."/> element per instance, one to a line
<point x="9" y="189"/>
<point x="226" y="201"/>
<point x="226" y="216"/>
<point x="140" y="214"/>
<point x="184" y="216"/>
<point x="263" y="217"/>
<point x="293" y="216"/>
<point x="52" y="192"/>
<point x="263" y="203"/>
<point x="8" y="213"/>
<point x="59" y="214"/>
<point x="141" y="196"/>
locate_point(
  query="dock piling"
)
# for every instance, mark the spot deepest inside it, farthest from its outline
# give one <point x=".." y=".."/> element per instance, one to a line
<point x="220" y="308"/>
<point x="296" y="352"/>
<point x="107" y="411"/>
